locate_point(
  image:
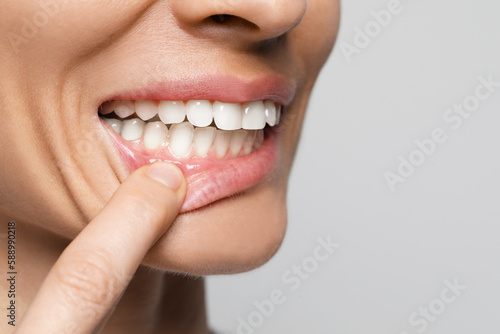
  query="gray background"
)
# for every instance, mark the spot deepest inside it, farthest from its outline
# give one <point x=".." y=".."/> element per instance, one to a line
<point x="398" y="248"/>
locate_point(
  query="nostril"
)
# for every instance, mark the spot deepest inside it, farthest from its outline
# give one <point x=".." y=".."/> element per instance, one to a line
<point x="231" y="21"/>
<point x="220" y="18"/>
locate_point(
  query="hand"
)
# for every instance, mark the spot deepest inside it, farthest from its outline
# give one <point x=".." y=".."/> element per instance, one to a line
<point x="91" y="274"/>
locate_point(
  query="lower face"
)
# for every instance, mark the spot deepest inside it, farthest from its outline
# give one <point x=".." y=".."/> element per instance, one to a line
<point x="114" y="90"/>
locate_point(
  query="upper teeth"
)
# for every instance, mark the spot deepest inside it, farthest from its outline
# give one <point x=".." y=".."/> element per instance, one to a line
<point x="200" y="113"/>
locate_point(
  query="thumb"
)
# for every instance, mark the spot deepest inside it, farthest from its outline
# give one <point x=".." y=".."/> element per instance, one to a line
<point x="94" y="270"/>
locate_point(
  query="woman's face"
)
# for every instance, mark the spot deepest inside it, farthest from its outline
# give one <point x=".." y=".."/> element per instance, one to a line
<point x="73" y="73"/>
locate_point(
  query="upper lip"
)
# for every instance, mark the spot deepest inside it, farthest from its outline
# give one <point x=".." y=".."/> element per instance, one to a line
<point x="222" y="87"/>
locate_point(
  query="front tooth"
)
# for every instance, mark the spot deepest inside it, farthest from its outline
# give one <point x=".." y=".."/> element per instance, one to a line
<point x="116" y="124"/>
<point x="181" y="138"/>
<point x="236" y="142"/>
<point x="124" y="109"/>
<point x="221" y="143"/>
<point x="172" y="112"/>
<point x="227" y="116"/>
<point x="270" y="112"/>
<point x="145" y="109"/>
<point x="254" y="117"/>
<point x="132" y="129"/>
<point x="203" y="139"/>
<point x="155" y="134"/>
<point x="199" y="113"/>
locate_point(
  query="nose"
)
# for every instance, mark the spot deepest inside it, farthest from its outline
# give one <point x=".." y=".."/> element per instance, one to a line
<point x="246" y="20"/>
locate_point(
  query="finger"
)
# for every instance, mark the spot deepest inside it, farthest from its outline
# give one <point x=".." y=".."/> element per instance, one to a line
<point x="94" y="270"/>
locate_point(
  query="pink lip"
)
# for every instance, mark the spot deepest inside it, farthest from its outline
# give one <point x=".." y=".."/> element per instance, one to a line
<point x="210" y="180"/>
<point x="223" y="88"/>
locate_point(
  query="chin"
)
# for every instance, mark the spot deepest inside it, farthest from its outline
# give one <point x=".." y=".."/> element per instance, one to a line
<point x="232" y="235"/>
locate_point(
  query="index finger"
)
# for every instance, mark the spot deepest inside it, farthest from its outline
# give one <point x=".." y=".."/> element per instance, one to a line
<point x="93" y="271"/>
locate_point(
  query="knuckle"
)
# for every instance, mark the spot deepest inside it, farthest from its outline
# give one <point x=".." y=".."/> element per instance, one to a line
<point x="87" y="277"/>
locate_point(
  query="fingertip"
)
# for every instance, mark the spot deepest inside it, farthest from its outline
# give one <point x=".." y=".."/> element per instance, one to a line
<point x="167" y="174"/>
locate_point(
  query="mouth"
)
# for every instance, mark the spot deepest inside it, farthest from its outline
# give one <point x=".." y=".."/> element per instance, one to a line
<point x="223" y="148"/>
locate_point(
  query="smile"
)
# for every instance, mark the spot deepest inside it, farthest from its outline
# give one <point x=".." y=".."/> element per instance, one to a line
<point x="223" y="148"/>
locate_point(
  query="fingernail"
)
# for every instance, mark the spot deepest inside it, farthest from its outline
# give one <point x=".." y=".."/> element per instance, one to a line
<point x="167" y="174"/>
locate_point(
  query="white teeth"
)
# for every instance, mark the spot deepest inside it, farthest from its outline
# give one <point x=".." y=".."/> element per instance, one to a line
<point x="254" y="117"/>
<point x="236" y="142"/>
<point x="132" y="129"/>
<point x="203" y="139"/>
<point x="181" y="138"/>
<point x="123" y="109"/>
<point x="221" y="143"/>
<point x="270" y="111"/>
<point x="199" y="113"/>
<point x="172" y="112"/>
<point x="145" y="109"/>
<point x="155" y="134"/>
<point x="227" y="116"/>
<point x="116" y="124"/>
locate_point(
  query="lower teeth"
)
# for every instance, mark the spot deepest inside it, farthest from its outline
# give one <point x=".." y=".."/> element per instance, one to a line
<point x="184" y="140"/>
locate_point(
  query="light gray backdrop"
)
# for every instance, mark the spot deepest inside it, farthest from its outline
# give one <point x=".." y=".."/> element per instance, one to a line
<point x="422" y="257"/>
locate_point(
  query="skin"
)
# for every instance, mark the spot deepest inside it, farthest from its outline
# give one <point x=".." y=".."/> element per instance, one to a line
<point x="62" y="182"/>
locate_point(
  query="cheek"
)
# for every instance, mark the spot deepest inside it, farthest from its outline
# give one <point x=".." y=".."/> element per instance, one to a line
<point x="234" y="235"/>
<point x="60" y="30"/>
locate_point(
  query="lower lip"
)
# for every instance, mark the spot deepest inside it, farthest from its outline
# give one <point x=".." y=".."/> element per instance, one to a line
<point x="209" y="180"/>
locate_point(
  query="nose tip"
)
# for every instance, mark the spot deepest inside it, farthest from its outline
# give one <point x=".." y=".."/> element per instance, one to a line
<point x="253" y="19"/>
